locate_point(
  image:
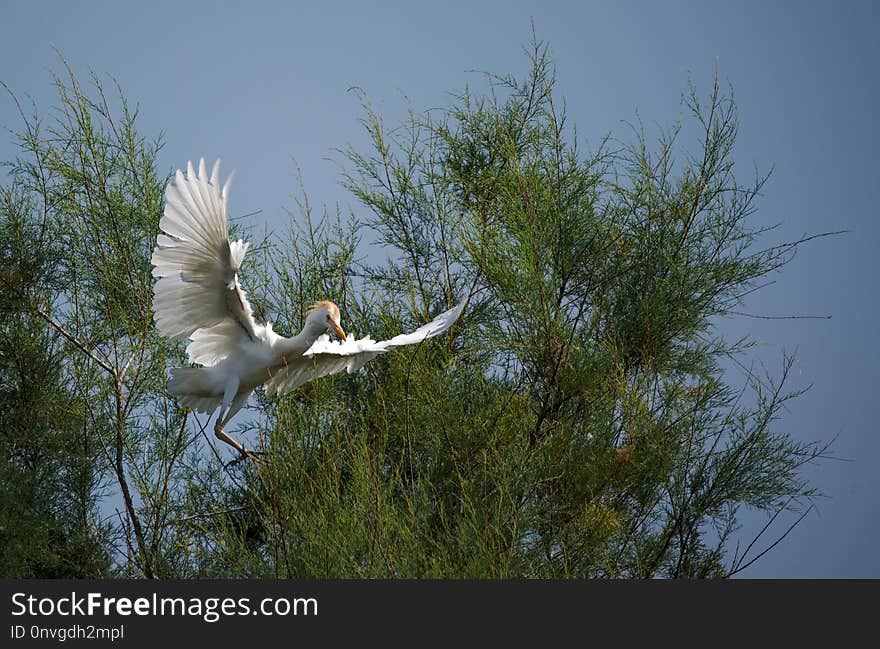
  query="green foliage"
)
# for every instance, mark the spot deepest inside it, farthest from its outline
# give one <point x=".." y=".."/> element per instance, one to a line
<point x="48" y="527"/>
<point x="79" y="220"/>
<point x="576" y="422"/>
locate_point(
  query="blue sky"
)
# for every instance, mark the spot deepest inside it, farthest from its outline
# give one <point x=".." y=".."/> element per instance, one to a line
<point x="260" y="84"/>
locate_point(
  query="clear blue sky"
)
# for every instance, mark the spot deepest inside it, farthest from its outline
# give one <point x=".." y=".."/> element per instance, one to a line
<point x="262" y="83"/>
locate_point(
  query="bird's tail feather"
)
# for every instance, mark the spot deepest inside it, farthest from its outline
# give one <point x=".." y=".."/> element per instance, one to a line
<point x="194" y="387"/>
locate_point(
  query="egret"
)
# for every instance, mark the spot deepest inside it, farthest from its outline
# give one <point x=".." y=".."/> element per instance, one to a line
<point x="197" y="296"/>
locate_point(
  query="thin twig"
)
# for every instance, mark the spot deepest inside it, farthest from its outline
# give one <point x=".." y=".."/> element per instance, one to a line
<point x="105" y="364"/>
<point x="781" y="317"/>
<point x="772" y="545"/>
<point x="219" y="512"/>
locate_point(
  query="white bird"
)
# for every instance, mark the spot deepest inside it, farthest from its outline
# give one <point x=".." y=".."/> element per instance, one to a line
<point x="197" y="296"/>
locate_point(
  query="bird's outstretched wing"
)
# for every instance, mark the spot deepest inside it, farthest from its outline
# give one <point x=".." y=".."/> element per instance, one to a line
<point x="197" y="294"/>
<point x="329" y="357"/>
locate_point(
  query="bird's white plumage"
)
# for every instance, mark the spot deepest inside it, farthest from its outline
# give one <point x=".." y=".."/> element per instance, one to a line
<point x="197" y="296"/>
<point x="327" y="356"/>
<point x="352" y="346"/>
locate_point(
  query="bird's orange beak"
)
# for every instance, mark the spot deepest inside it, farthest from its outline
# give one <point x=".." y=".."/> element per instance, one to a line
<point x="338" y="330"/>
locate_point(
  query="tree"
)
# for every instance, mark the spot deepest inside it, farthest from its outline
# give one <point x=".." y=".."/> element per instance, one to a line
<point x="79" y="215"/>
<point x="47" y="508"/>
<point x="576" y="422"/>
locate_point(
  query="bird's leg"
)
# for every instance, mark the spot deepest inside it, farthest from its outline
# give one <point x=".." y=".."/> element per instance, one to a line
<point x="223" y="436"/>
<point x="223" y="418"/>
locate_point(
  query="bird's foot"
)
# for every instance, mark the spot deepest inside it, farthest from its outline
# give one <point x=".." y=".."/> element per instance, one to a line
<point x="245" y="453"/>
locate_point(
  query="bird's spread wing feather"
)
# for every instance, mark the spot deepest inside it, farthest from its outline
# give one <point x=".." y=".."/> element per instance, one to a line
<point x="329" y="357"/>
<point x="197" y="294"/>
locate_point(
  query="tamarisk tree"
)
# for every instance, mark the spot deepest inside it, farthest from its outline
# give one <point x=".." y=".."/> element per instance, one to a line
<point x="579" y="420"/>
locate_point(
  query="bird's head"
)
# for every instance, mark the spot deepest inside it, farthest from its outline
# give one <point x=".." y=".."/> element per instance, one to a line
<point x="325" y="315"/>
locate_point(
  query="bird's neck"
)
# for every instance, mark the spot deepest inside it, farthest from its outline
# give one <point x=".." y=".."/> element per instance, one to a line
<point x="301" y="342"/>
